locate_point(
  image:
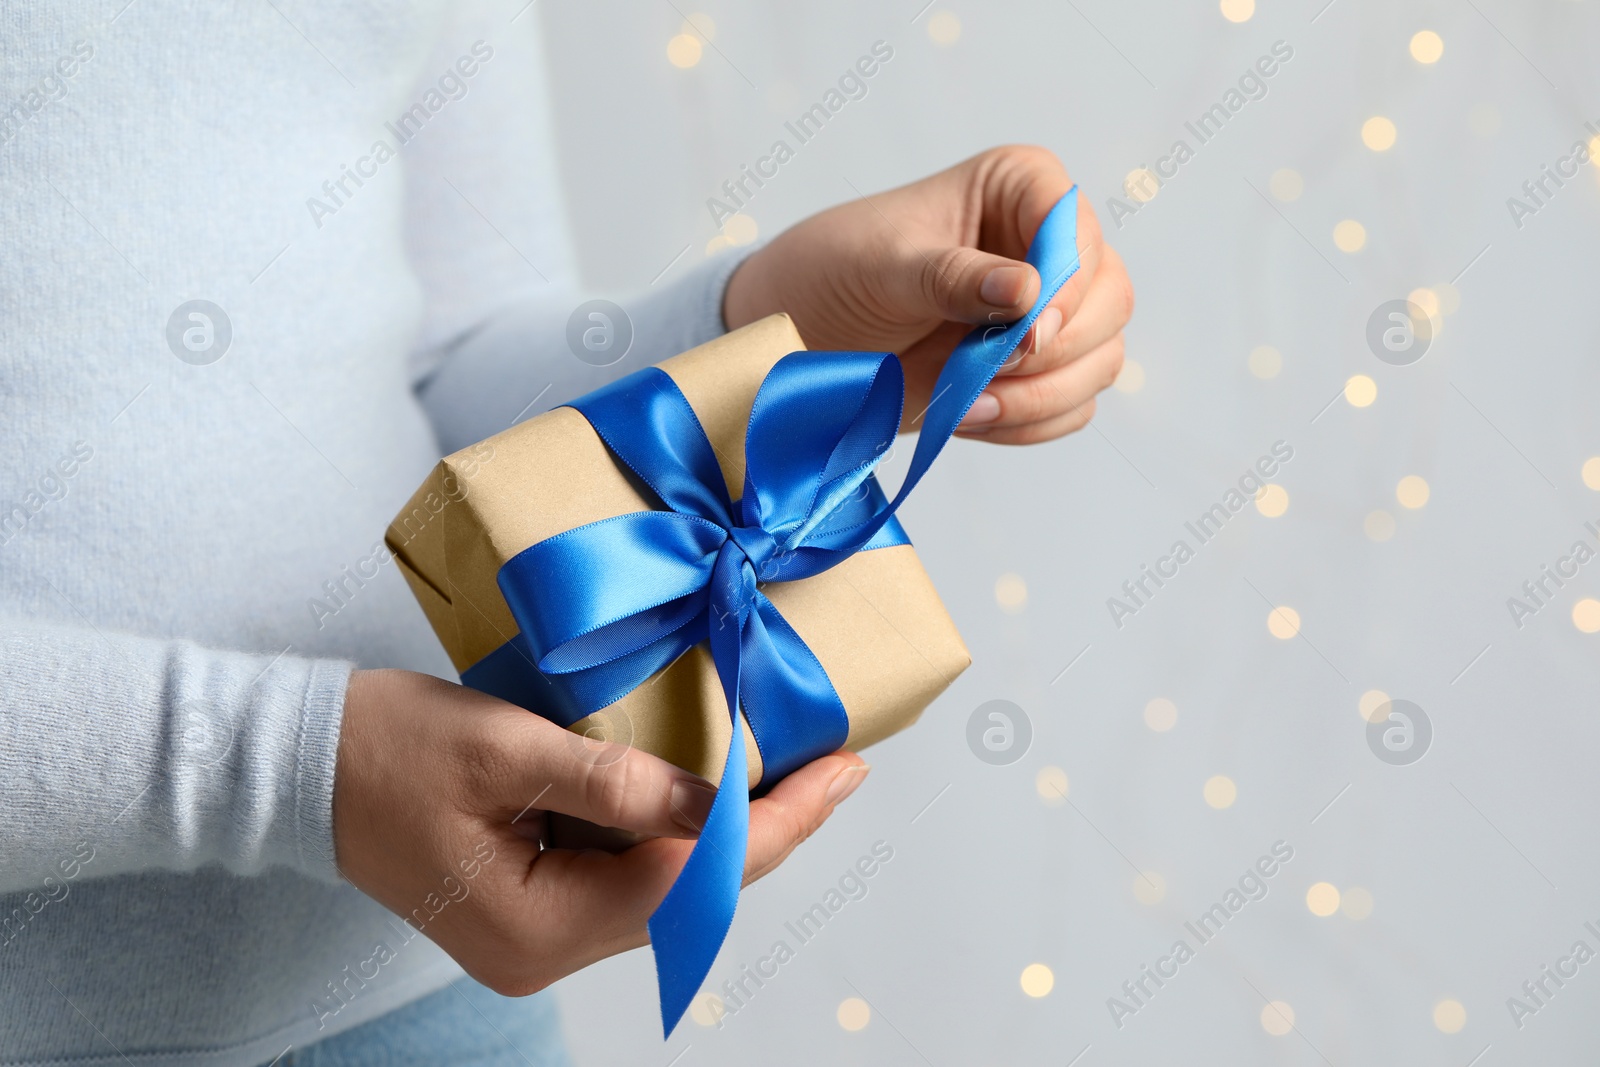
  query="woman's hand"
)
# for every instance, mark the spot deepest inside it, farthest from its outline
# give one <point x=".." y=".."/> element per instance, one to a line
<point x="439" y="803"/>
<point x="913" y="269"/>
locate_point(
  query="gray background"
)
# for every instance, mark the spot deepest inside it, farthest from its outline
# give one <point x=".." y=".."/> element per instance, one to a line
<point x="1481" y="858"/>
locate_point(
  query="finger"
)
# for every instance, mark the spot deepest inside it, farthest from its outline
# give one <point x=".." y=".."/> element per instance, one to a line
<point x="1016" y="401"/>
<point x="1092" y="250"/>
<point x="1039" y="432"/>
<point x="1068" y="303"/>
<point x="921" y="364"/>
<point x="533" y="763"/>
<point x="591" y="905"/>
<point x="576" y="908"/>
<point x="796" y="807"/>
<point x="1018" y="186"/>
<point x="1040" y="335"/>
<point x="1106" y="307"/>
<point x="958" y="284"/>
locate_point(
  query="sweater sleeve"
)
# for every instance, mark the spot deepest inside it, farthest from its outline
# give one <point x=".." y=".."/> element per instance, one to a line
<point x="122" y="754"/>
<point x="521" y="361"/>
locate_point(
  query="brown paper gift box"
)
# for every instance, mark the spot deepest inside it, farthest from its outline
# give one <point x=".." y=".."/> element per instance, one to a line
<point x="874" y="621"/>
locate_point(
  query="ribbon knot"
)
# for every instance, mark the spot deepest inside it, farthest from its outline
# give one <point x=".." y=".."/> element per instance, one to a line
<point x="758" y="546"/>
<point x="733" y="587"/>
<point x="605" y="606"/>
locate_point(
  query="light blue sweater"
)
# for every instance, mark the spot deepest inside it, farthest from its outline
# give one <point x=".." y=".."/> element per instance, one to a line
<point x="170" y="692"/>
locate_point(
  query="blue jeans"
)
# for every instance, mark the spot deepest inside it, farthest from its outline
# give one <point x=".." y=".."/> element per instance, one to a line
<point x="464" y="1025"/>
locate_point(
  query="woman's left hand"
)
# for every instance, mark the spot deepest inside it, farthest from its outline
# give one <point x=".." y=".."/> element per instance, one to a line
<point x="912" y="270"/>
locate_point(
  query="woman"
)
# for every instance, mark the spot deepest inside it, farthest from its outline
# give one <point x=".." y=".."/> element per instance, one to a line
<point x="236" y="335"/>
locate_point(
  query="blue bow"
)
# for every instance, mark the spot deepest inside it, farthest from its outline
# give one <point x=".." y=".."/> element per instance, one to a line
<point x="604" y="606"/>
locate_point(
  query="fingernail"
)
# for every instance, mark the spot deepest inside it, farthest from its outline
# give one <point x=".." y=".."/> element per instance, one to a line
<point x="984" y="409"/>
<point x="691" y="803"/>
<point x="1002" y="287"/>
<point x="845" y="783"/>
<point x="1047" y="328"/>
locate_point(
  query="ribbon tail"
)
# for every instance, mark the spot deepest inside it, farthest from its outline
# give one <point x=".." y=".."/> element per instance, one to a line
<point x="793" y="710"/>
<point x="688" y="928"/>
<point x="981" y="354"/>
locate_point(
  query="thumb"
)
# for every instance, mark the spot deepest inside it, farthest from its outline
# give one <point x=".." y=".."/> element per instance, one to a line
<point x="796" y="807"/>
<point x="602" y="782"/>
<point x="963" y="285"/>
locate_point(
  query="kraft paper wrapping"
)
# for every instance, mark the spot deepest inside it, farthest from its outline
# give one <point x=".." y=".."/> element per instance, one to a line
<point x="874" y="621"/>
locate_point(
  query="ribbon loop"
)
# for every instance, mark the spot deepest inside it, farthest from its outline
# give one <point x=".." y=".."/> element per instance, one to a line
<point x="645" y="575"/>
<point x="820" y="422"/>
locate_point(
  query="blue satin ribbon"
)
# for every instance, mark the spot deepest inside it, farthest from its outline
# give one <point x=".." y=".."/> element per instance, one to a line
<point x="604" y="606"/>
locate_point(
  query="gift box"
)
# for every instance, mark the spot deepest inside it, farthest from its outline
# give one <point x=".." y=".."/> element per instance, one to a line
<point x="874" y="622"/>
<point x="702" y="548"/>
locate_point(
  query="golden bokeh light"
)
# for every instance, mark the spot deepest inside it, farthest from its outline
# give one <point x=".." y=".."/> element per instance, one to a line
<point x="1272" y="500"/>
<point x="1369" y="704"/>
<point x="944" y="29"/>
<point x="741" y="229"/>
<point x="1037" y="980"/>
<point x="1238" y="10"/>
<point x="1220" y="792"/>
<point x="1426" y="46"/>
<point x="1412" y="492"/>
<point x="853" y="1014"/>
<point x="683" y="51"/>
<point x="1350" y="236"/>
<point x="1586" y="615"/>
<point x="1322" y="899"/>
<point x="1277" y="1018"/>
<point x="1378" y="525"/>
<point x="1141" y="185"/>
<point x="1011" y="593"/>
<point x="1356" y="903"/>
<point x="1051" y="784"/>
<point x="1427" y="300"/>
<point x="1265" y="361"/>
<point x="706" y="1009"/>
<point x="1591" y="472"/>
<point x="1286" y="184"/>
<point x="1378" y="133"/>
<point x="1449" y="1016"/>
<point x="1130" y="379"/>
<point x="1161" y="715"/>
<point x="1149" y="888"/>
<point x="1283" y="623"/>
<point x="1360" y="390"/>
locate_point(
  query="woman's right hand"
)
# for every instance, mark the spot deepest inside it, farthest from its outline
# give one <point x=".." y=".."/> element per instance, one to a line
<point x="439" y="804"/>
